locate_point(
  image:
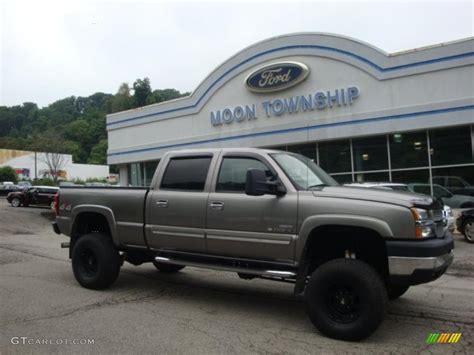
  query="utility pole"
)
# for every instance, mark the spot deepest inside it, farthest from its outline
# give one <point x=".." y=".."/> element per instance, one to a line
<point x="36" y="167"/>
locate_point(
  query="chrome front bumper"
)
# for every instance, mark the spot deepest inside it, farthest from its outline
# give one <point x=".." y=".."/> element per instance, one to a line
<point x="406" y="266"/>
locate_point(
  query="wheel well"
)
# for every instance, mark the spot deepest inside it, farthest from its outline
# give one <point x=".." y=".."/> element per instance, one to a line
<point x="333" y="241"/>
<point x="88" y="222"/>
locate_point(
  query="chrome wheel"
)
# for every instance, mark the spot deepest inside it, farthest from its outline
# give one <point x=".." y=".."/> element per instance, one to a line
<point x="469" y="231"/>
<point x="16" y="202"/>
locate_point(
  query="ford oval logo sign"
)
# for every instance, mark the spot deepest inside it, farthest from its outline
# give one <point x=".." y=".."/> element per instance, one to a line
<point x="277" y="76"/>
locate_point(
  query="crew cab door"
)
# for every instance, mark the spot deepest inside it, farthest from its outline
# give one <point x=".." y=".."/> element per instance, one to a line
<point x="176" y="204"/>
<point x="251" y="227"/>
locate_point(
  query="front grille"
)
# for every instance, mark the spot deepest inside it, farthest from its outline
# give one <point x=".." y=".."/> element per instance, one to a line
<point x="437" y="215"/>
<point x="440" y="222"/>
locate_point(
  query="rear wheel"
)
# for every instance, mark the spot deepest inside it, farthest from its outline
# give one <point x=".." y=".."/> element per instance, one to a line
<point x="395" y="291"/>
<point x="95" y="261"/>
<point x="167" y="268"/>
<point x="16" y="202"/>
<point x="468" y="230"/>
<point x="346" y="299"/>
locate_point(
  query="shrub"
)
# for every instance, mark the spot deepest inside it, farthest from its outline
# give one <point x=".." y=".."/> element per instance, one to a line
<point x="7" y="173"/>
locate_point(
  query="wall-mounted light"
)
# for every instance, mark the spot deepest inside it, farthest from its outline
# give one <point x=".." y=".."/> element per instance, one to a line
<point x="397" y="138"/>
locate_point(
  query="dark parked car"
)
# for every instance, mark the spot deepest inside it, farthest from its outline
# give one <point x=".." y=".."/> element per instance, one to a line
<point x="465" y="224"/>
<point x="35" y="195"/>
<point x="6" y="189"/>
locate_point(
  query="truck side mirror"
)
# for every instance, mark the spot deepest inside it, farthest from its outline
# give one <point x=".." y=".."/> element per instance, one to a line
<point x="256" y="184"/>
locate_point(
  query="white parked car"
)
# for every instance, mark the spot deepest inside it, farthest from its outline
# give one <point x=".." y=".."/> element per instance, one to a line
<point x="449" y="217"/>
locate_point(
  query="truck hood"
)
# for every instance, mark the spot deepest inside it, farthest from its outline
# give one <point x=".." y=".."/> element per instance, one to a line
<point x="401" y="198"/>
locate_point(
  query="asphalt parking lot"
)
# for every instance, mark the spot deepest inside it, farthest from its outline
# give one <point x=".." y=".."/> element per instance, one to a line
<point x="197" y="311"/>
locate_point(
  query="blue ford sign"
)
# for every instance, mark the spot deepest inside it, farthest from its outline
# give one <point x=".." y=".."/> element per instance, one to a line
<point x="277" y="76"/>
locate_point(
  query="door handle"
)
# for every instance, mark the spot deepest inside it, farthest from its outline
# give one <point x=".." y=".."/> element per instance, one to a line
<point x="162" y="203"/>
<point x="217" y="205"/>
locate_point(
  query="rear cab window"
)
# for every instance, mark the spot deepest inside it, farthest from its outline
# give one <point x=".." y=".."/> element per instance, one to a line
<point x="186" y="173"/>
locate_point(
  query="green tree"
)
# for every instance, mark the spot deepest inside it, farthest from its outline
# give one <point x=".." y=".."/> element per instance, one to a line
<point x="99" y="153"/>
<point x="7" y="173"/>
<point x="142" y="89"/>
<point x="122" y="100"/>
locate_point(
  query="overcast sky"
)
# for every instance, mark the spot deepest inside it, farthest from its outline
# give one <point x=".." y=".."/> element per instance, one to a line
<point x="51" y="50"/>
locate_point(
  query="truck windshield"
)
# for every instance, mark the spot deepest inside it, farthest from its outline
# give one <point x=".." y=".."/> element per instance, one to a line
<point x="302" y="171"/>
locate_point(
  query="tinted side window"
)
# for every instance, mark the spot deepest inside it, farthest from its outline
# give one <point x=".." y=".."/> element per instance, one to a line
<point x="186" y="174"/>
<point x="233" y="173"/>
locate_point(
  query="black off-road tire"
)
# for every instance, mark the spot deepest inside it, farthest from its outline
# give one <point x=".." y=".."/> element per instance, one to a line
<point x="167" y="268"/>
<point x="95" y="261"/>
<point x="346" y="299"/>
<point x="396" y="291"/>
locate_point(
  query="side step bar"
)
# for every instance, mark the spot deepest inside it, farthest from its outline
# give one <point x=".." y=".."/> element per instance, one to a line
<point x="257" y="272"/>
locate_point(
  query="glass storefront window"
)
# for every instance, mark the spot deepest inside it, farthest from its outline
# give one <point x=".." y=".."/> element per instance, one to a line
<point x="150" y="167"/>
<point x="408" y="150"/>
<point x="280" y="147"/>
<point x="135" y="176"/>
<point x="372" y="177"/>
<point x="308" y="150"/>
<point x="370" y="153"/>
<point x="343" y="178"/>
<point x="451" y="146"/>
<point x="411" y="176"/>
<point x="335" y="157"/>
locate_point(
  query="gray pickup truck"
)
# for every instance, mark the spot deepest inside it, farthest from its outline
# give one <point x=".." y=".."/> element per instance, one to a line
<point x="263" y="214"/>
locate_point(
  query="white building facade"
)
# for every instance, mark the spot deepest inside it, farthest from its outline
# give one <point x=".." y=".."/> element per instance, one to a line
<point x="360" y="113"/>
<point x="26" y="163"/>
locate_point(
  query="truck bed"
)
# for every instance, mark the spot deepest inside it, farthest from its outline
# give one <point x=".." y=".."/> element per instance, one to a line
<point x="127" y="204"/>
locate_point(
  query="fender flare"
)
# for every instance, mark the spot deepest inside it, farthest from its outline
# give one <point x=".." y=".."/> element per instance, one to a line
<point x="313" y="222"/>
<point x="101" y="210"/>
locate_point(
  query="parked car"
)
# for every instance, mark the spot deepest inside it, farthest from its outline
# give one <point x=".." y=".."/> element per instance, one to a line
<point x="68" y="183"/>
<point x="35" y="195"/>
<point x="465" y="224"/>
<point x="449" y="217"/>
<point x="455" y="184"/>
<point x="6" y="189"/>
<point x="453" y="201"/>
<point x="263" y="214"/>
<point x="447" y="211"/>
<point x="24" y="184"/>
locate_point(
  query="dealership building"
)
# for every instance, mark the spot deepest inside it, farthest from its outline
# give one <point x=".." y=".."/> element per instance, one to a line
<point x="360" y="113"/>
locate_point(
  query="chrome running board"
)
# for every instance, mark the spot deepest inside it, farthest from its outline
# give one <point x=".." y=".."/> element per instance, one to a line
<point x="257" y="272"/>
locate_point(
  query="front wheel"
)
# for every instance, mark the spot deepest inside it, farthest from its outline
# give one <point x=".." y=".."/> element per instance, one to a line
<point x="15" y="202"/>
<point x="95" y="261"/>
<point x="346" y="299"/>
<point x="468" y="230"/>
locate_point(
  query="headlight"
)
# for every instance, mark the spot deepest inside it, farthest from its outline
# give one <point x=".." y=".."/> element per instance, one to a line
<point x="424" y="224"/>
